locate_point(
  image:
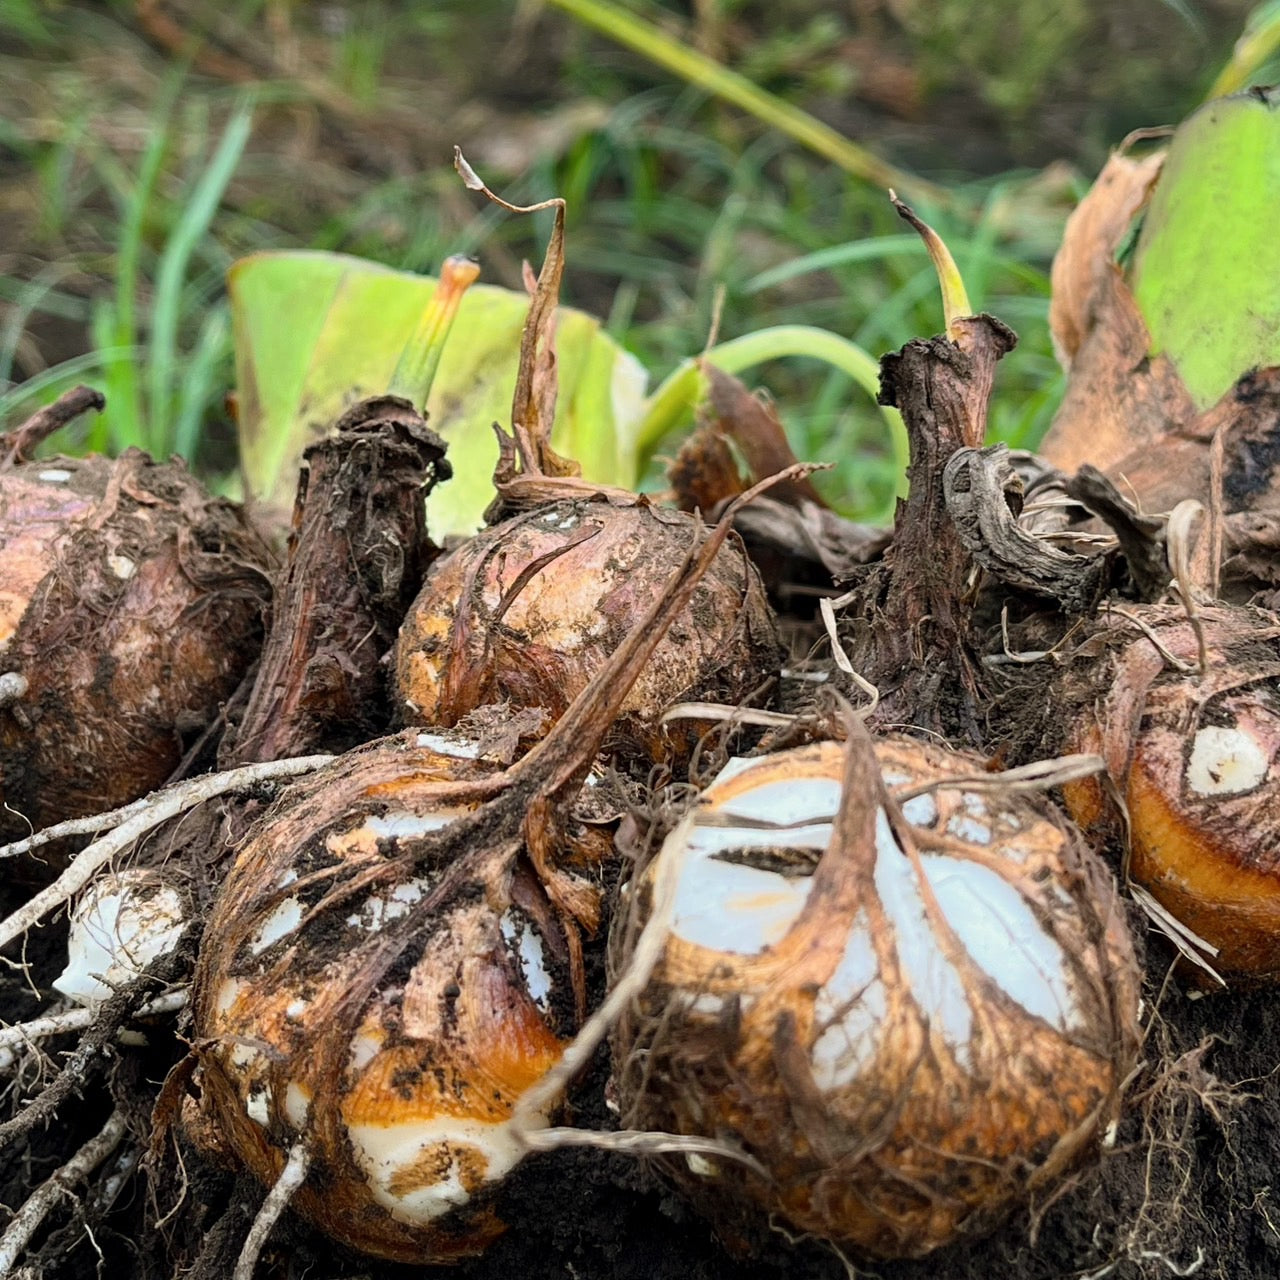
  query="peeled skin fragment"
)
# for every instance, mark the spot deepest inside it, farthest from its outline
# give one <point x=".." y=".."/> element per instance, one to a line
<point x="526" y="612"/>
<point x="387" y="1014"/>
<point x="909" y="1036"/>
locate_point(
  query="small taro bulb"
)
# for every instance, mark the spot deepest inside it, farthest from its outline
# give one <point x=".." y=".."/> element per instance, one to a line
<point x="125" y="921"/>
<point x="389" y="1014"/>
<point x="527" y="611"/>
<point x="131" y="606"/>
<point x="909" y="1023"/>
<point x="1196" y="757"/>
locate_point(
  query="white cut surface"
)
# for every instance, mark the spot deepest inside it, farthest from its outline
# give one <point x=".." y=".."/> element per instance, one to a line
<point x="970" y="829"/>
<point x="991" y="920"/>
<point x="124" y="923"/>
<point x="848" y="1012"/>
<point x="920" y="811"/>
<point x="258" y="1106"/>
<point x="527" y="944"/>
<point x="392" y="825"/>
<point x="784" y="802"/>
<point x="998" y="928"/>
<point x="228" y="994"/>
<point x="297" y="1102"/>
<point x="246" y="1058"/>
<point x="1226" y="760"/>
<point x="726" y="906"/>
<point x="729" y="906"/>
<point x="934" y="981"/>
<point x="286" y="917"/>
<point x="447" y="745"/>
<point x="386" y="1153"/>
<point x="378" y="909"/>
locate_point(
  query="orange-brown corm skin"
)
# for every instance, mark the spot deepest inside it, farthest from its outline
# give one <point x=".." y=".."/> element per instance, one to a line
<point x="477" y="634"/>
<point x="450" y="1033"/>
<point x="1209" y="853"/>
<point x="918" y="1149"/>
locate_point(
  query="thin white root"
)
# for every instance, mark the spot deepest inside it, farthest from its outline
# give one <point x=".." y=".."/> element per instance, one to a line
<point x="158" y="808"/>
<point x="292" y="1176"/>
<point x="1176" y="663"/>
<point x="1025" y="657"/>
<point x="827" y="609"/>
<point x="722" y="711"/>
<point x="86" y="826"/>
<point x="1188" y="942"/>
<point x="78" y="1019"/>
<point x="26" y="1222"/>
<point x="640" y="1142"/>
<point x="1038" y="776"/>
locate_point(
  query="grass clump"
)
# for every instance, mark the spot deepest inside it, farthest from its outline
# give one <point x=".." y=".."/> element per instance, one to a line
<point x="162" y="152"/>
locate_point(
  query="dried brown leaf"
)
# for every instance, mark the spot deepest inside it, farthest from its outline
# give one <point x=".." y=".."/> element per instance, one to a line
<point x="754" y="426"/>
<point x="1089" y="242"/>
<point x="1119" y="398"/>
<point x="704" y="472"/>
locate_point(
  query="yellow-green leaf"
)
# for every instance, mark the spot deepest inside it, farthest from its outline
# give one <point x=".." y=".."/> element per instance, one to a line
<point x="1206" y="273"/>
<point x="314" y="332"/>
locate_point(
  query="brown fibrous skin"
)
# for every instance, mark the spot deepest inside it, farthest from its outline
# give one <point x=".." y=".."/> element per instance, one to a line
<point x="925" y="1140"/>
<point x="530" y="609"/>
<point x="370" y="966"/>
<point x="1195" y="755"/>
<point x="131" y="608"/>
<point x="356" y="556"/>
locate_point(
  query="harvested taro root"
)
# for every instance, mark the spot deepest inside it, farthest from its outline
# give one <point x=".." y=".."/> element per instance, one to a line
<point x="897" y="1017"/>
<point x="395" y="958"/>
<point x="889" y="995"/>
<point x="131" y="606"/>
<point x="1185" y="710"/>
<point x="528" y="611"/>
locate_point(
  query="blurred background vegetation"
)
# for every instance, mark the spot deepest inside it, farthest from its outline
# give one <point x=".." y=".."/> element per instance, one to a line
<point x="146" y="145"/>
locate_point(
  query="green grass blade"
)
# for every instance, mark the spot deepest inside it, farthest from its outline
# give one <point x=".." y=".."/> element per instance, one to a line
<point x="124" y="389"/>
<point x="28" y="298"/>
<point x="1258" y="42"/>
<point x="34" y="387"/>
<point x="209" y="358"/>
<point x="166" y="315"/>
<point x="680" y="392"/>
<point x="841" y="255"/>
<point x="707" y="74"/>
